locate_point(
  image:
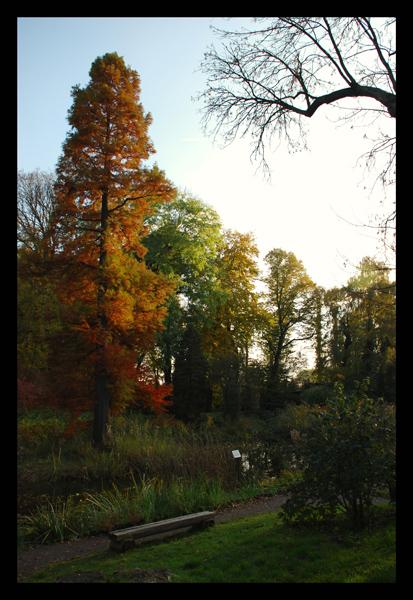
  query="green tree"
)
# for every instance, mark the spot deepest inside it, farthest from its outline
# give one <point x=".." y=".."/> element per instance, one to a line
<point x="291" y="303"/>
<point x="320" y="336"/>
<point x="335" y="302"/>
<point x="237" y="275"/>
<point x="183" y="243"/>
<point x="229" y="337"/>
<point x="191" y="390"/>
<point x="362" y="330"/>
<point x="373" y="321"/>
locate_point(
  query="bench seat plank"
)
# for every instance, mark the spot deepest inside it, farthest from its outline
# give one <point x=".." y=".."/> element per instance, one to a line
<point x="160" y="526"/>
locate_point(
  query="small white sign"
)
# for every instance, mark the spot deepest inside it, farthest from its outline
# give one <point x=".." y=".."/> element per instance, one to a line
<point x="236" y="454"/>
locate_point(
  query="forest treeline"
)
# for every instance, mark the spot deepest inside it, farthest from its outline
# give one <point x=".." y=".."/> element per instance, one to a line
<point x="132" y="294"/>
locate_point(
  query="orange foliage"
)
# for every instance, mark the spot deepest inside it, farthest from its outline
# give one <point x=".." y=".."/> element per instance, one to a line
<point x="152" y="396"/>
<point x="104" y="195"/>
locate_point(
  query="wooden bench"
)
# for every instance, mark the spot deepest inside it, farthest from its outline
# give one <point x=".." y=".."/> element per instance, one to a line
<point x="123" y="539"/>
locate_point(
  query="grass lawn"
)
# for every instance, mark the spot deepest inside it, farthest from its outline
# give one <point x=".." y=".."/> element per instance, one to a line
<point x="259" y="549"/>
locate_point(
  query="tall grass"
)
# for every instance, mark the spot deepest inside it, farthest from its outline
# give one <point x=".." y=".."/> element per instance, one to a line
<point x="145" y="501"/>
<point x="142" y="446"/>
<point x="155" y="469"/>
<point x="52" y="522"/>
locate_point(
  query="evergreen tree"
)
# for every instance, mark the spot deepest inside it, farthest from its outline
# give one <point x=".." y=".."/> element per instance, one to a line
<point x="191" y="390"/>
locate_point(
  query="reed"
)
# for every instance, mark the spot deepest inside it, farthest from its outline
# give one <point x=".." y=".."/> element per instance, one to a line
<point x="144" y="501"/>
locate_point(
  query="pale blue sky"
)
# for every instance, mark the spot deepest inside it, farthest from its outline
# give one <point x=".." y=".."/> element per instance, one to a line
<point x="296" y="211"/>
<point x="56" y="53"/>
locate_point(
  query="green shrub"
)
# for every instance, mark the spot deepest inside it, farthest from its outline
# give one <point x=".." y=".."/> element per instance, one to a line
<point x="299" y="417"/>
<point x="263" y="458"/>
<point x="317" y="394"/>
<point x="348" y="456"/>
<point x="279" y="434"/>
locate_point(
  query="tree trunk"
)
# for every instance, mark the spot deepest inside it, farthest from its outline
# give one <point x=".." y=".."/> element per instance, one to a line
<point x="275" y="373"/>
<point x="167" y="364"/>
<point x="101" y="414"/>
<point x="231" y="387"/>
<point x="319" y="363"/>
<point x="347" y="340"/>
<point x="334" y="344"/>
<point x="102" y="404"/>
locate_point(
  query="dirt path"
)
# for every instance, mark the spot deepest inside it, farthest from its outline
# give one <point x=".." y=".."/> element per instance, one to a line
<point x="38" y="557"/>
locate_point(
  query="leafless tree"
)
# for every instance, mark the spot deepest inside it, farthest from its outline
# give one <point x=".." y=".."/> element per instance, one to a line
<point x="266" y="81"/>
<point x="35" y="211"/>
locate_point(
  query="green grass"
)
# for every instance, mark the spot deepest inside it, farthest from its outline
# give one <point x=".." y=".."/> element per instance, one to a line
<point x="259" y="549"/>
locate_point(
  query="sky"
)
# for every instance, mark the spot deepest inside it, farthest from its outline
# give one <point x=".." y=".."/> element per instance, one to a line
<point x="315" y="203"/>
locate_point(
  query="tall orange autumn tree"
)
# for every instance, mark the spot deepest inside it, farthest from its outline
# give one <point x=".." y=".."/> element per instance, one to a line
<point x="104" y="193"/>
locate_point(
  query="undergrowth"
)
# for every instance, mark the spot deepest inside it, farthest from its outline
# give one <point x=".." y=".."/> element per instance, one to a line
<point x="149" y="500"/>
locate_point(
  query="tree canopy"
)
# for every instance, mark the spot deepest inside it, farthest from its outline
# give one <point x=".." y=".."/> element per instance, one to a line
<point x="104" y="193"/>
<point x="132" y="294"/>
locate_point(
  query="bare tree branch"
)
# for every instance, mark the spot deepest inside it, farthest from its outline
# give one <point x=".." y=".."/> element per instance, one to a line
<point x="36" y="210"/>
<point x="265" y="80"/>
<point x="366" y="25"/>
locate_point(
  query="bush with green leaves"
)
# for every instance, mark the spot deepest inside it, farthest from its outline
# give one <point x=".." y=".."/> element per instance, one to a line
<point x="347" y="457"/>
<point x="316" y="394"/>
<point x="295" y="416"/>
